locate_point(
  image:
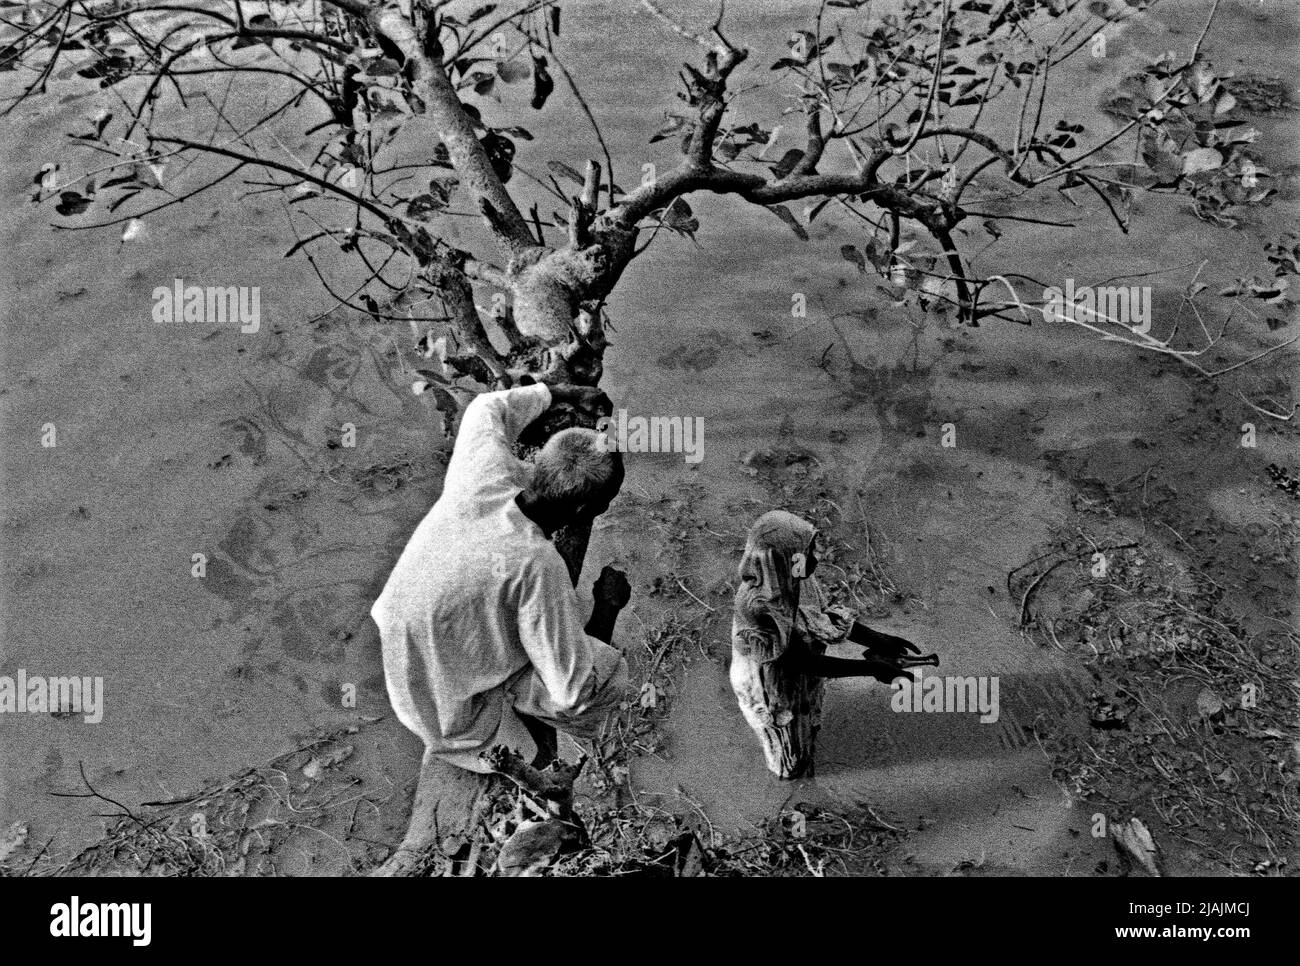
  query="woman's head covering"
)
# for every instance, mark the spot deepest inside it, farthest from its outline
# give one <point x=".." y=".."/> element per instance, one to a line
<point x="778" y="554"/>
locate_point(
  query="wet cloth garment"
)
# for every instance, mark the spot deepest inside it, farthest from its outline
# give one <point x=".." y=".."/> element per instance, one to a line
<point x="777" y="594"/>
<point x="479" y="621"/>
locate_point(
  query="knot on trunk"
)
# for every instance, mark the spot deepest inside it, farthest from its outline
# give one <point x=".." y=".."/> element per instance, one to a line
<point x="549" y="287"/>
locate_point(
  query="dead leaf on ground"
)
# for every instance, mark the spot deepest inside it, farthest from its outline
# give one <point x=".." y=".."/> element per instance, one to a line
<point x="1133" y="840"/>
<point x="317" y="767"/>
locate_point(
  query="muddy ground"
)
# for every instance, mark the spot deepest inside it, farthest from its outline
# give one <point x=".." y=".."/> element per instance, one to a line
<point x="175" y="441"/>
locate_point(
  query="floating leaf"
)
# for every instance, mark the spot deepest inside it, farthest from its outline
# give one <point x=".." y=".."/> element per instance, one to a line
<point x="1206" y="83"/>
<point x="1247" y="135"/>
<point x="109" y="68"/>
<point x="562" y="169"/>
<point x="441" y="157"/>
<point x="729" y="148"/>
<point x="382" y="67"/>
<point x="9" y="55"/>
<point x="99" y="122"/>
<point x="138" y="176"/>
<point x="1162" y="163"/>
<point x="511" y="72"/>
<point x="678" y="217"/>
<point x="1272" y="292"/>
<point x="447" y="405"/>
<point x="542" y="82"/>
<point x="316" y="768"/>
<point x="425" y="206"/>
<point x="672" y="124"/>
<point x="72" y="203"/>
<point x="501" y="152"/>
<point x="810" y="213"/>
<point x="383" y="106"/>
<point x="262" y="21"/>
<point x="1202" y="159"/>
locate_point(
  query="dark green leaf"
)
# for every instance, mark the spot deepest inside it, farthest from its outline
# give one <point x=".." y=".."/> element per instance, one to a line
<point x="501" y="152"/>
<point x="787" y="163"/>
<point x="511" y="72"/>
<point x="782" y="212"/>
<point x="679" y="218"/>
<point x="423" y="207"/>
<point x="542" y="83"/>
<point x="72" y="203"/>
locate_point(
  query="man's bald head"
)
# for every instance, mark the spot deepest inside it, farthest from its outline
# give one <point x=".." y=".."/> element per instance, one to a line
<point x="575" y="475"/>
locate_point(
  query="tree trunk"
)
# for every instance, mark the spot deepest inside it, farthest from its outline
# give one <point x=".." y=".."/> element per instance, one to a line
<point x="450" y="801"/>
<point x="449" y="804"/>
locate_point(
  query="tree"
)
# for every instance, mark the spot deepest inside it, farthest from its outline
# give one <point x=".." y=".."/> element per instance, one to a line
<point x="902" y="120"/>
<point x="897" y="111"/>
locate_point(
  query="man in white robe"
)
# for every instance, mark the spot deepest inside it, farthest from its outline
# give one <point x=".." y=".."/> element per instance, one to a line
<point x="480" y="625"/>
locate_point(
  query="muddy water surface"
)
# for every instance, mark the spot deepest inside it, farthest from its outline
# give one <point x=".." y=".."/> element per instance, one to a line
<point x="181" y="441"/>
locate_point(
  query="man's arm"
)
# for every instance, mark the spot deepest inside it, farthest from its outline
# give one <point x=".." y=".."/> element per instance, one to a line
<point x="492" y="422"/>
<point x="490" y="427"/>
<point x="572" y="664"/>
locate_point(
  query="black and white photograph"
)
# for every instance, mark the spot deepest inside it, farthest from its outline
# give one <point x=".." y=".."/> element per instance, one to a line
<point x="651" y="439"/>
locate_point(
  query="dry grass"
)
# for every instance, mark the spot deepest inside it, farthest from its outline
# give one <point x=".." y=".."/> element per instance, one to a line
<point x="306" y="812"/>
<point x="1193" y="723"/>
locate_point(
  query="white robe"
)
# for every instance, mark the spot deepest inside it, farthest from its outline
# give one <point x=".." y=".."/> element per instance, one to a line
<point x="478" y="619"/>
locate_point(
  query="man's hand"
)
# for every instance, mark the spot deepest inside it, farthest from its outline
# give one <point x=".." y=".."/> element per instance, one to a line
<point x="612" y="589"/>
<point x="610" y="594"/>
<point x="588" y="399"/>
